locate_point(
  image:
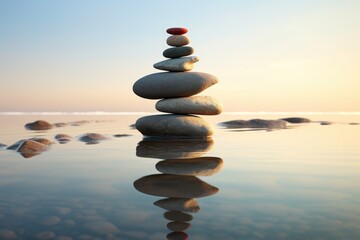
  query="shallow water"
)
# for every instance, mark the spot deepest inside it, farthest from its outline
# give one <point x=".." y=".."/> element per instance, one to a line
<point x="296" y="183"/>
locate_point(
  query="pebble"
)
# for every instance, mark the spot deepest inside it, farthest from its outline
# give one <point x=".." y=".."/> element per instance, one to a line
<point x="63" y="138"/>
<point x="296" y="120"/>
<point x="173" y="148"/>
<point x="92" y="138"/>
<point x="171" y="84"/>
<point x="178" y="226"/>
<point x="179" y="204"/>
<point x="176" y="31"/>
<point x="204" y="166"/>
<point x="176" y="52"/>
<point x="178" y="40"/>
<point x="203" y="105"/>
<point x="255" y="123"/>
<point x="177" y="64"/>
<point x="178" y="216"/>
<point x="169" y="185"/>
<point x="172" y="125"/>
<point x="38" y="125"/>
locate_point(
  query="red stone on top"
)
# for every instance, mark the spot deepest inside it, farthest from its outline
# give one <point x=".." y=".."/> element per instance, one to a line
<point x="176" y="31"/>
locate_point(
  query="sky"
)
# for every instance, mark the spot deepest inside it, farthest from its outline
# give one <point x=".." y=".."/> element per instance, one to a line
<point x="85" y="55"/>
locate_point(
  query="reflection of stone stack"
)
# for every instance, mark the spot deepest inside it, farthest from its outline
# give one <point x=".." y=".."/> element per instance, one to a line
<point x="178" y="181"/>
<point x="177" y="87"/>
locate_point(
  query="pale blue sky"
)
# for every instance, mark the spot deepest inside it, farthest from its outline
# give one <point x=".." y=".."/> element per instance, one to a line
<point x="269" y="55"/>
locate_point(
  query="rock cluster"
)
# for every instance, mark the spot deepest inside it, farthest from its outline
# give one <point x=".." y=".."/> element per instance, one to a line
<point x="176" y="89"/>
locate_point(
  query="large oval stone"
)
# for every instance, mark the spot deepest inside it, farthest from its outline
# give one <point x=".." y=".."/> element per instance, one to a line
<point x="173" y="125"/>
<point x="172" y="84"/>
<point x="179" y="204"/>
<point x="173" y="148"/>
<point x="204" y="105"/>
<point x="177" y="40"/>
<point x="176" y="31"/>
<point x="176" y="52"/>
<point x="177" y="64"/>
<point x="169" y="185"/>
<point x="204" y="166"/>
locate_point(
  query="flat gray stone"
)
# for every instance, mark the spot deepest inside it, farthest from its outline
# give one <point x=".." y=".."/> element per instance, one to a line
<point x="255" y="123"/>
<point x="204" y="166"/>
<point x="178" y="216"/>
<point x="176" y="52"/>
<point x="169" y="185"/>
<point x="177" y="64"/>
<point x="178" y="40"/>
<point x="179" y="204"/>
<point x="203" y="105"/>
<point x="172" y="84"/>
<point x="173" y="148"/>
<point x="172" y="125"/>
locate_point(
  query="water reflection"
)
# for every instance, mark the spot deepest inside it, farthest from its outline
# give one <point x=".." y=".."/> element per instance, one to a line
<point x="182" y="161"/>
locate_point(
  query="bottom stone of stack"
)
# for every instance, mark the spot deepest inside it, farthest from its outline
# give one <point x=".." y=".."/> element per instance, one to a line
<point x="174" y="125"/>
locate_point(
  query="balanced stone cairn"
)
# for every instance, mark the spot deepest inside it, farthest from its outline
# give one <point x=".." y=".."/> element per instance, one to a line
<point x="176" y="89"/>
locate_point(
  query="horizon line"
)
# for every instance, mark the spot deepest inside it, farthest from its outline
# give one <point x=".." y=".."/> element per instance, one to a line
<point x="105" y="113"/>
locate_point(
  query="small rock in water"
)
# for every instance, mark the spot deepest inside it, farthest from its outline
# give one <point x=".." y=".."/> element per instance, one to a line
<point x="30" y="148"/>
<point x="176" y="31"/>
<point x="92" y="138"/>
<point x="203" y="105"/>
<point x="42" y="140"/>
<point x="60" y="124"/>
<point x="177" y="40"/>
<point x="2" y="145"/>
<point x="39" y="125"/>
<point x="63" y="138"/>
<point x="177" y="64"/>
<point x="122" y="135"/>
<point x="177" y="236"/>
<point x="178" y="226"/>
<point x="169" y="185"/>
<point x="326" y="123"/>
<point x="179" y="204"/>
<point x="296" y="120"/>
<point x="177" y="52"/>
<point x="255" y="123"/>
<point x="172" y="84"/>
<point x="354" y="123"/>
<point x="178" y="216"/>
<point x="204" y="166"/>
<point x="172" y="125"/>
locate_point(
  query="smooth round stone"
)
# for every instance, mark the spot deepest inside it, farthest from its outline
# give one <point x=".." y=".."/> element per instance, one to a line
<point x="168" y="185"/>
<point x="178" y="216"/>
<point x="177" y="236"/>
<point x="176" y="31"/>
<point x="172" y="125"/>
<point x="205" y="166"/>
<point x="176" y="52"/>
<point x="177" y="64"/>
<point x="179" y="204"/>
<point x="92" y="138"/>
<point x="178" y="40"/>
<point x="178" y="226"/>
<point x="203" y="105"/>
<point x="39" y="125"/>
<point x="173" y="148"/>
<point x="172" y="84"/>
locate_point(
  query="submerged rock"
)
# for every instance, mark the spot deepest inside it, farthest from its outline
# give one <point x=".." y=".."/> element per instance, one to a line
<point x="38" y="125"/>
<point x="179" y="204"/>
<point x="2" y="145"/>
<point x="354" y="123"/>
<point x="296" y="120"/>
<point x="255" y="123"/>
<point x="122" y="135"/>
<point x="173" y="148"/>
<point x="204" y="166"/>
<point x="63" y="138"/>
<point x="29" y="148"/>
<point x="173" y="125"/>
<point x="168" y="185"/>
<point x="92" y="138"/>
<point x="326" y="123"/>
<point x="42" y="140"/>
<point x="178" y="216"/>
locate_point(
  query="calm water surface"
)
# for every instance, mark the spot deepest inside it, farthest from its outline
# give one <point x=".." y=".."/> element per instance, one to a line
<point x="298" y="183"/>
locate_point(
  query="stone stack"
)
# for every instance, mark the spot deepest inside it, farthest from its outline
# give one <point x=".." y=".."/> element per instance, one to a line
<point x="176" y="89"/>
